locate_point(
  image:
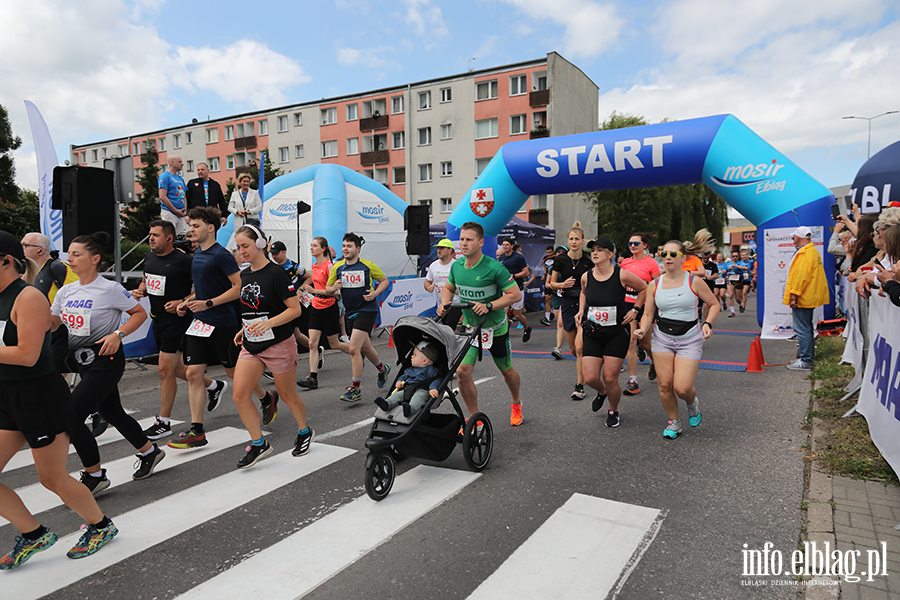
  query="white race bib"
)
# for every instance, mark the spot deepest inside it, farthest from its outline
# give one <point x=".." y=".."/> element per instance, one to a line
<point x="78" y="321"/>
<point x="708" y="273"/>
<point x="720" y="281"/>
<point x="602" y="315"/>
<point x="199" y="329"/>
<point x="352" y="279"/>
<point x="487" y="337"/>
<point x="305" y="298"/>
<point x="156" y="284"/>
<point x="2" y="331"/>
<point x="265" y="337"/>
<point x="734" y="278"/>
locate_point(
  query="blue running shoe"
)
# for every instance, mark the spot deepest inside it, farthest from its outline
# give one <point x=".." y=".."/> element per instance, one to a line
<point x="672" y="430"/>
<point x="23" y="550"/>
<point x="694" y="416"/>
<point x="382" y="376"/>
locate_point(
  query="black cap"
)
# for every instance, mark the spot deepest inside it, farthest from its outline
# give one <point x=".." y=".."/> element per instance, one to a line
<point x="601" y="242"/>
<point x="278" y="247"/>
<point x="10" y="246"/>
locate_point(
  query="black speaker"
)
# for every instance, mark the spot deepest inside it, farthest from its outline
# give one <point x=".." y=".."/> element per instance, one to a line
<point x="415" y="222"/>
<point x="86" y="197"/>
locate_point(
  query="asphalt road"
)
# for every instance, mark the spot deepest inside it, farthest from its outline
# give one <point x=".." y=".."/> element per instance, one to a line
<point x="736" y="479"/>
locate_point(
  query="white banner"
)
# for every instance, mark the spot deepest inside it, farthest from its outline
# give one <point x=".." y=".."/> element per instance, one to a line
<point x="778" y="323"/>
<point x="51" y="220"/>
<point x="853" y="350"/>
<point x="408" y="297"/>
<point x="879" y="399"/>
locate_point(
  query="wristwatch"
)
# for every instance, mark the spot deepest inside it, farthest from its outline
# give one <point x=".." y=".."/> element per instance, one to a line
<point x="121" y="334"/>
<point x="490" y="305"/>
<point x="209" y="303"/>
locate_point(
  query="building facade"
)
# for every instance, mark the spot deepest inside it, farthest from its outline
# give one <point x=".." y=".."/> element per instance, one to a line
<point x="426" y="141"/>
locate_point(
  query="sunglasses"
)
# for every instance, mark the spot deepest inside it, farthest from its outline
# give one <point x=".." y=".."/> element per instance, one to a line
<point x="634" y="243"/>
<point x="671" y="253"/>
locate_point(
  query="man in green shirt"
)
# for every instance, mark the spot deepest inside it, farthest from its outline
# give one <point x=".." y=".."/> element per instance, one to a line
<point x="487" y="284"/>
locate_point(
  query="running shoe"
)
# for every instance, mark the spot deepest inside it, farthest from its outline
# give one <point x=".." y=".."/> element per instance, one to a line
<point x="95" y="484"/>
<point x="98" y="425"/>
<point x="214" y="396"/>
<point x="526" y="335"/>
<point x="158" y="430"/>
<point x="92" y="540"/>
<point x="187" y="440"/>
<point x="598" y="401"/>
<point x="146" y="464"/>
<point x="612" y="418"/>
<point x="255" y="454"/>
<point x="557" y="353"/>
<point x="578" y="394"/>
<point x="743" y="309"/>
<point x="642" y="354"/>
<point x="694" y="416"/>
<point x="799" y="365"/>
<point x="651" y="374"/>
<point x="321" y="356"/>
<point x="732" y="315"/>
<point x="301" y="444"/>
<point x="344" y="338"/>
<point x="23" y="550"/>
<point x="269" y="407"/>
<point x="351" y="395"/>
<point x="632" y="388"/>
<point x="515" y="415"/>
<point x="672" y="430"/>
<point x="382" y="376"/>
<point x="269" y="375"/>
<point x="545" y="322"/>
<point x="309" y="383"/>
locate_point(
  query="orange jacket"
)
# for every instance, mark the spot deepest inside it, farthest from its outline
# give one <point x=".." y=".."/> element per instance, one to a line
<point x="806" y="279"/>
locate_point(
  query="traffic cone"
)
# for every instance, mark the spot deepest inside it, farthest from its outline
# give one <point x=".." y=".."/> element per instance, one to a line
<point x="762" y="359"/>
<point x="753" y="359"/>
<point x="391" y="338"/>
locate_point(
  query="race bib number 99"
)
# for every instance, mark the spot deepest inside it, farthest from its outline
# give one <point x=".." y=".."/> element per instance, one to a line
<point x="352" y="279"/>
<point x="602" y="315"/>
<point x="77" y="320"/>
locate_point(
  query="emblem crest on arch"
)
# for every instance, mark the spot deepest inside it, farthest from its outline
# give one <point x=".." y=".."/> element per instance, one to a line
<point x="482" y="201"/>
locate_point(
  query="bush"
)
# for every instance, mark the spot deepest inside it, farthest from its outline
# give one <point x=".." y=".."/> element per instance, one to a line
<point x="130" y="262"/>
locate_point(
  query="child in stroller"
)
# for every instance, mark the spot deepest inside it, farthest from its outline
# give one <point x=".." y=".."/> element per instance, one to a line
<point x="421" y="379"/>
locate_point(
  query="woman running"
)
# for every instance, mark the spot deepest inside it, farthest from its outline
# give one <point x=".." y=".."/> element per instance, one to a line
<point x="721" y="286"/>
<point x="269" y="305"/>
<point x="92" y="310"/>
<point x="733" y="279"/>
<point x="712" y="273"/>
<point x="35" y="408"/>
<point x="647" y="269"/>
<point x="325" y="317"/>
<point x="744" y="268"/>
<point x="604" y="317"/>
<point x="567" y="272"/>
<point x="677" y="338"/>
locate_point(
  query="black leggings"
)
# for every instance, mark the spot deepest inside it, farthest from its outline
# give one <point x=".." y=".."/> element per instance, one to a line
<point x="98" y="392"/>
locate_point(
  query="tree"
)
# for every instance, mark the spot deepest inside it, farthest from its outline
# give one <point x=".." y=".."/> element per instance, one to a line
<point x="268" y="168"/>
<point x="22" y="217"/>
<point x="669" y="213"/>
<point x="136" y="217"/>
<point x="9" y="191"/>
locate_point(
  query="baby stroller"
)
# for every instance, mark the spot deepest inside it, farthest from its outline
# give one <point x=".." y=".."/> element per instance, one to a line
<point x="426" y="434"/>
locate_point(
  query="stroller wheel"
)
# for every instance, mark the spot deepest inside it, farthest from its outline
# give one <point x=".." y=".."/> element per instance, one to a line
<point x="379" y="475"/>
<point x="478" y="441"/>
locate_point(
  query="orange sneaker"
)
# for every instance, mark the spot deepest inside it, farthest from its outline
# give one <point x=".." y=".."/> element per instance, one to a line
<point x="515" y="416"/>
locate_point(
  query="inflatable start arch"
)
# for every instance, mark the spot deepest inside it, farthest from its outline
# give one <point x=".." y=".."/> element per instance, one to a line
<point x="720" y="151"/>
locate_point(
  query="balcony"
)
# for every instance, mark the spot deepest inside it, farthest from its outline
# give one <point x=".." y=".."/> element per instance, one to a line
<point x="373" y="123"/>
<point x="540" y="132"/>
<point x="539" y="216"/>
<point x="539" y="98"/>
<point x="377" y="157"/>
<point x="241" y="171"/>
<point x="244" y="143"/>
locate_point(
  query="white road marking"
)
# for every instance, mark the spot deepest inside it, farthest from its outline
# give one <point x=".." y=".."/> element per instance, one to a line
<point x="334" y="542"/>
<point x="584" y="550"/>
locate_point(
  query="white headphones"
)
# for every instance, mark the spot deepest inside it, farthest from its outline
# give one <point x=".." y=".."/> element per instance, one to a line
<point x="260" y="240"/>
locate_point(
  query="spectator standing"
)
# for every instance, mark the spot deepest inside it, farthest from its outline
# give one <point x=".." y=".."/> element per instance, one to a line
<point x="206" y="191"/>
<point x="805" y="290"/>
<point x="245" y="204"/>
<point x="172" y="195"/>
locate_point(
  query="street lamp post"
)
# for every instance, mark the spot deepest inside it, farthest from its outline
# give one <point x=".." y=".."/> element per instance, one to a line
<point x="870" y="119"/>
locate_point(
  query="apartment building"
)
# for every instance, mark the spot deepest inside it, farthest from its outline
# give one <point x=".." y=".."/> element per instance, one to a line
<point x="426" y="141"/>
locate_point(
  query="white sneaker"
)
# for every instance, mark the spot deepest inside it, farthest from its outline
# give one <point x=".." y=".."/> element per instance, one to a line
<point x="799" y="365"/>
<point x="321" y="357"/>
<point x="344" y="339"/>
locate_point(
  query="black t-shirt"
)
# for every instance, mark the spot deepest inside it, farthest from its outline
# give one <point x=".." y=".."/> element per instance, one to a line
<point x="712" y="270"/>
<point x="167" y="278"/>
<point x="263" y="294"/>
<point x="514" y="263"/>
<point x="567" y="267"/>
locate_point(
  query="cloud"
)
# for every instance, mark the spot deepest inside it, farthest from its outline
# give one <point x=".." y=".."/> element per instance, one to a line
<point x="425" y="18"/>
<point x="590" y="28"/>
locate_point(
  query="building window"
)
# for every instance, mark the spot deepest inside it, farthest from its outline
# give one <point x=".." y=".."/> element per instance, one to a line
<point x="486" y="129"/>
<point x="426" y="203"/>
<point x="381" y="176"/>
<point x="212" y="136"/>
<point x="486" y="90"/>
<point x="263" y="127"/>
<point x="160" y="145"/>
<point x="244" y="129"/>
<point x="176" y="140"/>
<point x="329" y="116"/>
<point x="446" y="95"/>
<point x="539" y="80"/>
<point x="240" y="159"/>
<point x="298" y="151"/>
<point x="399" y="175"/>
<point x="282" y="123"/>
<point x="95" y="155"/>
<point x="135" y="149"/>
<point x="104" y="153"/>
<point x="189" y="165"/>
<point x="425" y="172"/>
<point x="480" y="164"/>
<point x="446" y="131"/>
<point x="298" y="119"/>
<point x="229" y="132"/>
<point x="424" y="100"/>
<point x="398" y="140"/>
<point x="446" y="205"/>
<point x="425" y="136"/>
<point x="517" y="125"/>
<point x="123" y="149"/>
<point x="352" y="112"/>
<point x="284" y="154"/>
<point x="83" y="157"/>
<point x="446" y="168"/>
<point x="329" y="149"/>
<point x="539" y="202"/>
<point x="229" y="162"/>
<point x="396" y="105"/>
<point x="518" y="85"/>
<point x="213" y="163"/>
<point x="188" y="137"/>
<point x="352" y="146"/>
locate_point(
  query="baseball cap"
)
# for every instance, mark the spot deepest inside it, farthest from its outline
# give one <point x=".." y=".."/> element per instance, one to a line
<point x="601" y="242"/>
<point x="444" y="243"/>
<point x="803" y="231"/>
<point x="428" y="350"/>
<point x="561" y="247"/>
<point x="278" y="247"/>
<point x="11" y="246"/>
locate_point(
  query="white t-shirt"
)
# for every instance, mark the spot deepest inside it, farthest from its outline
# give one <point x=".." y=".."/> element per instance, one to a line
<point x="93" y="311"/>
<point x="438" y="274"/>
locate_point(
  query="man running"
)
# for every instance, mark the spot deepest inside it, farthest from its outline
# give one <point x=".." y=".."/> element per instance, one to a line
<point x="354" y="278"/>
<point x="436" y="277"/>
<point x="490" y="288"/>
<point x="210" y="335"/>
<point x="167" y="282"/>
<point x="518" y="268"/>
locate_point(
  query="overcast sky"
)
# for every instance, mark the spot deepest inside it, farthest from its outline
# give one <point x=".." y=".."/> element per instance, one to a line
<point x="789" y="69"/>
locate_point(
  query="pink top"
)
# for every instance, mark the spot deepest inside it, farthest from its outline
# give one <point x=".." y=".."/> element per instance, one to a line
<point x="646" y="268"/>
